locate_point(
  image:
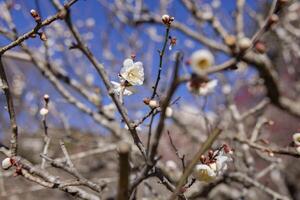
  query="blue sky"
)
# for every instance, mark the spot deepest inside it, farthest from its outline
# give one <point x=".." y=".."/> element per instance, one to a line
<point x="85" y="9"/>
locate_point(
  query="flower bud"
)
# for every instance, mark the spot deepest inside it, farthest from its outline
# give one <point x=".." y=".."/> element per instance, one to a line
<point x="43" y="36"/>
<point x="230" y="41"/>
<point x="273" y="20"/>
<point x="244" y="43"/>
<point x="166" y="19"/>
<point x="202" y="159"/>
<point x="44" y="111"/>
<point x="35" y="16"/>
<point x="169" y="112"/>
<point x="153" y="104"/>
<point x="260" y="47"/>
<point x="146" y="101"/>
<point x="46" y="98"/>
<point x="210" y="153"/>
<point x="6" y="163"/>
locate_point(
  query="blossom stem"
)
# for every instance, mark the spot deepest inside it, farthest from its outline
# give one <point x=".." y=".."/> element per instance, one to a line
<point x="161" y="55"/>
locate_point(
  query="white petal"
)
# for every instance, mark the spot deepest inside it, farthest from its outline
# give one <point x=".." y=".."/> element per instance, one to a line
<point x="127" y="63"/>
<point x="201" y="56"/>
<point x="204" y="173"/>
<point x="296" y="138"/>
<point x="118" y="89"/>
<point x="208" y="88"/>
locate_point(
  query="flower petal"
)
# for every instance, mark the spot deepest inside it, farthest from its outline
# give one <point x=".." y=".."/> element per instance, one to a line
<point x="127" y="63"/>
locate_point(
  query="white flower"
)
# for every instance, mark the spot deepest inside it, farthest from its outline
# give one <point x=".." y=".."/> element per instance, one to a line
<point x="296" y="138"/>
<point x="201" y="60"/>
<point x="208" y="172"/>
<point x="44" y="111"/>
<point x="244" y="43"/>
<point x="6" y="163"/>
<point x="202" y="89"/>
<point x="208" y="87"/>
<point x="118" y="88"/>
<point x="203" y="172"/>
<point x="132" y="72"/>
<point x="221" y="163"/>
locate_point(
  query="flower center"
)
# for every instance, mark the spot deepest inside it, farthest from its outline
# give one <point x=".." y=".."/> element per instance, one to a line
<point x="203" y="64"/>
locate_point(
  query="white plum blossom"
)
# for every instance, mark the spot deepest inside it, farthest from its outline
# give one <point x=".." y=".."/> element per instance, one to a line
<point x="296" y="139"/>
<point x="132" y="72"/>
<point x="213" y="168"/>
<point x="202" y="89"/>
<point x="204" y="172"/>
<point x="118" y="88"/>
<point x="201" y="60"/>
<point x="208" y="87"/>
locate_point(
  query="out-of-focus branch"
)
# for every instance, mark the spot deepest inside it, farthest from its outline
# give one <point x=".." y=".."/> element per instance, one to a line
<point x="124" y="169"/>
<point x="244" y="179"/>
<point x="45" y="179"/>
<point x="11" y="111"/>
<point x="275" y="150"/>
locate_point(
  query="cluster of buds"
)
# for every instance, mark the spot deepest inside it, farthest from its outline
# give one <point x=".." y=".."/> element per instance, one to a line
<point x="38" y="20"/>
<point x="173" y="41"/>
<point x="214" y="164"/>
<point x="36" y="16"/>
<point x="212" y="155"/>
<point x="167" y="20"/>
<point x="153" y="104"/>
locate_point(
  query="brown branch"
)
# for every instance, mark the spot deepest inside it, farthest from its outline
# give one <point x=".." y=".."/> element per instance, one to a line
<point x="35" y="30"/>
<point x="275" y="150"/>
<point x="161" y="55"/>
<point x="11" y="111"/>
<point x="124" y="169"/>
